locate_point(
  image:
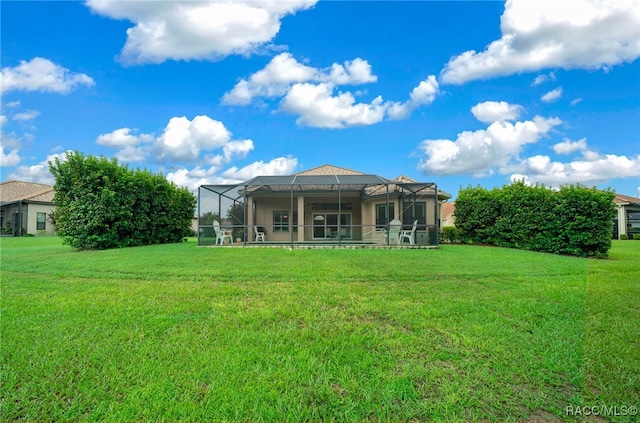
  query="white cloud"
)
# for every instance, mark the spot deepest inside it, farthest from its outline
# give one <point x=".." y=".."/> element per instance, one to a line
<point x="481" y="151"/>
<point x="9" y="160"/>
<point x="122" y="138"/>
<point x="309" y="93"/>
<point x="277" y="166"/>
<point x="39" y="172"/>
<point x="183" y="140"/>
<point x="283" y="71"/>
<point x="238" y="148"/>
<point x="193" y="178"/>
<point x="27" y="115"/>
<point x="317" y="107"/>
<point x="540" y="79"/>
<point x="552" y="96"/>
<point x="13" y="104"/>
<point x="423" y="94"/>
<point x="356" y="71"/>
<point x="583" y="34"/>
<point x="207" y="30"/>
<point x="3" y="120"/>
<point x="567" y="146"/>
<point x="41" y="75"/>
<point x="575" y="101"/>
<point x="495" y="111"/>
<point x="131" y="148"/>
<point x="591" y="170"/>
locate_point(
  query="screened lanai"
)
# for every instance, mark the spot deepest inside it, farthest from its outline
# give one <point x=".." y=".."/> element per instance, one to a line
<point x="297" y="210"/>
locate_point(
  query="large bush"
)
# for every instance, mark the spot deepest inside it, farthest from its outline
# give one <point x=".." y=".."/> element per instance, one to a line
<point x="101" y="204"/>
<point x="574" y="220"/>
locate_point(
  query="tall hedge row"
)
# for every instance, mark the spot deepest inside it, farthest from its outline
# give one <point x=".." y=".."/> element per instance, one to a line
<point x="573" y="220"/>
<point x="101" y="204"/>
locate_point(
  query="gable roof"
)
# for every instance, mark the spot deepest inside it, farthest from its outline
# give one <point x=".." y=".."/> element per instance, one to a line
<point x="328" y="169"/>
<point x="12" y="191"/>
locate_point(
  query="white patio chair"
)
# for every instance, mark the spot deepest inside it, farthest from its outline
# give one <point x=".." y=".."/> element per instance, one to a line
<point x="221" y="234"/>
<point x="260" y="235"/>
<point x="408" y="235"/>
<point x="394" y="231"/>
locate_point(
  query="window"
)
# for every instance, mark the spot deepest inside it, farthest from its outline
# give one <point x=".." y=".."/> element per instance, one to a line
<point x="381" y="214"/>
<point x="41" y="221"/>
<point x="633" y="223"/>
<point x="281" y="221"/>
<point x="414" y="211"/>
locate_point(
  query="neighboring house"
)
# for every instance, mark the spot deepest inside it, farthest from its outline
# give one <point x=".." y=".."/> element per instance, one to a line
<point x="25" y="208"/>
<point x="328" y="204"/>
<point x="627" y="220"/>
<point x="448" y="217"/>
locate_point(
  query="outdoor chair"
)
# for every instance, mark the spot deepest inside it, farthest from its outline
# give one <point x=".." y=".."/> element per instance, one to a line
<point x="394" y="231"/>
<point x="260" y="235"/>
<point x="408" y="235"/>
<point x="221" y="234"/>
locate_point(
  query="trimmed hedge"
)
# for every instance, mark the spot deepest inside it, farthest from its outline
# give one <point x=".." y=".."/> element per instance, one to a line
<point x="101" y="204"/>
<point x="574" y="220"/>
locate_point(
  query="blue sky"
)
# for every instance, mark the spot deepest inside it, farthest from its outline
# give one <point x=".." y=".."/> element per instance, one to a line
<point x="460" y="93"/>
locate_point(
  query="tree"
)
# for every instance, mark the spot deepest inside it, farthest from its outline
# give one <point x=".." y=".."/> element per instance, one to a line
<point x="235" y="214"/>
<point x="208" y="218"/>
<point x="101" y="204"/>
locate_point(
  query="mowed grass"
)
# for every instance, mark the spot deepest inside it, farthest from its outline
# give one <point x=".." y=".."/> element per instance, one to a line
<point x="177" y="332"/>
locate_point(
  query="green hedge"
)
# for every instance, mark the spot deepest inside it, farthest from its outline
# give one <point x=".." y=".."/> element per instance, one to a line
<point x="450" y="234"/>
<point x="574" y="220"/>
<point x="101" y="204"/>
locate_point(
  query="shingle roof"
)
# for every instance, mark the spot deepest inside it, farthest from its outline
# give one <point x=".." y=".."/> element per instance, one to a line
<point x="619" y="198"/>
<point x="25" y="191"/>
<point x="328" y="169"/>
<point x="448" y="209"/>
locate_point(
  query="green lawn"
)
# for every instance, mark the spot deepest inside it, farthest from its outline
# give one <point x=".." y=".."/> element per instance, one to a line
<point x="177" y="332"/>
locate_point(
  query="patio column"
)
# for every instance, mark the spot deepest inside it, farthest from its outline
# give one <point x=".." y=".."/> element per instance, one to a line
<point x="301" y="228"/>
<point x="622" y="220"/>
<point x="250" y="217"/>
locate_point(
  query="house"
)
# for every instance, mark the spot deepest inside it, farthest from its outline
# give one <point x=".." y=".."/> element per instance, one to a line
<point x="326" y="204"/>
<point x="448" y="217"/>
<point x="627" y="221"/>
<point x="25" y="208"/>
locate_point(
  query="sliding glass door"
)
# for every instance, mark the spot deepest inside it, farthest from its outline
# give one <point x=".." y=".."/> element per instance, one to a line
<point x="325" y="226"/>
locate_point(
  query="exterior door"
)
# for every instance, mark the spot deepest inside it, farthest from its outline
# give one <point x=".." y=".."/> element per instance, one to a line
<point x="325" y="226"/>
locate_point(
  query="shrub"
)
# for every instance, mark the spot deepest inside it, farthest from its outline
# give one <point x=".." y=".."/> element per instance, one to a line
<point x="450" y="234"/>
<point x="624" y="236"/>
<point x="101" y="204"/>
<point x="574" y="220"/>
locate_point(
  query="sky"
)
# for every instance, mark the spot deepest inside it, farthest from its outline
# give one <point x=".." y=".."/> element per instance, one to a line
<point x="457" y="93"/>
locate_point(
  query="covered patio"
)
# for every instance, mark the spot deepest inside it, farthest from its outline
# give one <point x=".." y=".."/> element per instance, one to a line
<point x="312" y="211"/>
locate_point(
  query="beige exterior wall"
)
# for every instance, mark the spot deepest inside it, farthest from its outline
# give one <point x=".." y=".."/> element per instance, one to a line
<point x="29" y="217"/>
<point x="362" y="213"/>
<point x="265" y="206"/>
